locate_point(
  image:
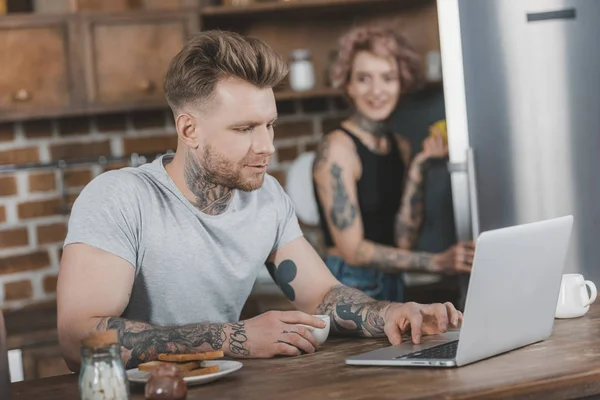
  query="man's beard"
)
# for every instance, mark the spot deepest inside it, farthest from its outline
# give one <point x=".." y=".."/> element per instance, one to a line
<point x="220" y="171"/>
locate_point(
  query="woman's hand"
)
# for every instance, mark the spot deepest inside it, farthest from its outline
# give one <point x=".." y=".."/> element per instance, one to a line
<point x="434" y="146"/>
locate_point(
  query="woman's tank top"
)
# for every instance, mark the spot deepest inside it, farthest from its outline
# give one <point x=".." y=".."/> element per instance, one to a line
<point x="379" y="192"/>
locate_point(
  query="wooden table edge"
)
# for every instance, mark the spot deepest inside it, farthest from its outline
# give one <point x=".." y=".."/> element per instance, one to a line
<point x="557" y="385"/>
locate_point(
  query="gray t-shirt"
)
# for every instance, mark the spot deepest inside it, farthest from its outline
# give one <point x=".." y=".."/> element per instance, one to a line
<point x="189" y="266"/>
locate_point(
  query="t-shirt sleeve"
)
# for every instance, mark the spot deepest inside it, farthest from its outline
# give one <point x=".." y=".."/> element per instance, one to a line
<point x="288" y="228"/>
<point x="107" y="215"/>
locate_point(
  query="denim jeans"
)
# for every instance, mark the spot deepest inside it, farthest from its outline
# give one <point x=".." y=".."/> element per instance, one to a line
<point x="373" y="283"/>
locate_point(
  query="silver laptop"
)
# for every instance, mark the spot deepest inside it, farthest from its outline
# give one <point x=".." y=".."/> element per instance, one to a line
<point x="511" y="301"/>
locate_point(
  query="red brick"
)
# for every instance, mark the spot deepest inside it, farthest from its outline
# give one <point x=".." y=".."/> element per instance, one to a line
<point x="53" y="233"/>
<point x="37" y="128"/>
<point x="8" y="185"/>
<point x="42" y="182"/>
<point x="50" y="283"/>
<point x="2" y="214"/>
<point x="293" y="129"/>
<point x="331" y="124"/>
<point x="7" y="132"/>
<point x="19" y="156"/>
<point x="70" y="151"/>
<point x="25" y="262"/>
<point x="287" y="154"/>
<point x="16" y="237"/>
<point x="286" y="107"/>
<point x="280" y="176"/>
<point x="315" y="105"/>
<point x="18" y="290"/>
<point x="148" y="119"/>
<point x="311" y="147"/>
<point x="71" y="197"/>
<point x="342" y="103"/>
<point x="150" y="145"/>
<point x="38" y="208"/>
<point x="77" y="178"/>
<point x="115" y="165"/>
<point x="111" y="123"/>
<point x="74" y="126"/>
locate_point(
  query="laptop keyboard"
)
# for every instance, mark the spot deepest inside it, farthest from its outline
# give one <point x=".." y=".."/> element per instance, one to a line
<point x="443" y="351"/>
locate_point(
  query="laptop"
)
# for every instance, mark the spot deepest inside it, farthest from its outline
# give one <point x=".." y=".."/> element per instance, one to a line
<point x="511" y="301"/>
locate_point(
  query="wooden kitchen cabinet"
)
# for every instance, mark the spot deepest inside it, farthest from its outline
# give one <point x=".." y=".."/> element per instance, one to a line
<point x="32" y="330"/>
<point x="43" y="361"/>
<point x="126" y="56"/>
<point x="82" y="62"/>
<point x="36" y="70"/>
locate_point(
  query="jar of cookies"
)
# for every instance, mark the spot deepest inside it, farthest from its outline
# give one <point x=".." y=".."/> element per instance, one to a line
<point x="102" y="375"/>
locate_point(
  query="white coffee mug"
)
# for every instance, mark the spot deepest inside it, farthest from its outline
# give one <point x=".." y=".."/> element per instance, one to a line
<point x="574" y="300"/>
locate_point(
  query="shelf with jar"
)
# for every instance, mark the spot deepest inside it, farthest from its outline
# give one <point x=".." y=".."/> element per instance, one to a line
<point x="307" y="35"/>
<point x="78" y="41"/>
<point x="256" y="8"/>
<point x="76" y="6"/>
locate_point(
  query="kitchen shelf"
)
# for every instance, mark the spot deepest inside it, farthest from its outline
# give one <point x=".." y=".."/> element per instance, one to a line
<point x="295" y="5"/>
<point x="285" y="25"/>
<point x="293" y="95"/>
<point x="285" y="95"/>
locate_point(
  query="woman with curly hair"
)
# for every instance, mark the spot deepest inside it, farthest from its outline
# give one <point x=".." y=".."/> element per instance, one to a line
<point x="369" y="192"/>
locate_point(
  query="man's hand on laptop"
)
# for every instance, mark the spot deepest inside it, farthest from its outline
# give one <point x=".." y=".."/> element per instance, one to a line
<point x="419" y="319"/>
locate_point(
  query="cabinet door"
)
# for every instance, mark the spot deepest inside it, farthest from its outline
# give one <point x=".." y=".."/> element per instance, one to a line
<point x="129" y="56"/>
<point x="34" y="67"/>
<point x="43" y="361"/>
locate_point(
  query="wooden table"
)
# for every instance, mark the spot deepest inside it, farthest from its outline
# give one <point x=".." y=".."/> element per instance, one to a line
<point x="563" y="367"/>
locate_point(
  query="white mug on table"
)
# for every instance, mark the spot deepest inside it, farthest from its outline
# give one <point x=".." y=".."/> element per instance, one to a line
<point x="574" y="300"/>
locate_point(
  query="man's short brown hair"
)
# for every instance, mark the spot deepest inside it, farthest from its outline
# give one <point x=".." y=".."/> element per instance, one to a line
<point x="211" y="56"/>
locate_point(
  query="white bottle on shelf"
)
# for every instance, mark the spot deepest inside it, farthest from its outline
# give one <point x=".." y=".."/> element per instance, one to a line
<point x="302" y="72"/>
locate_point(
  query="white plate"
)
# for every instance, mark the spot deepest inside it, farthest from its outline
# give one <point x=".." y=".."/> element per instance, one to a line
<point x="226" y="367"/>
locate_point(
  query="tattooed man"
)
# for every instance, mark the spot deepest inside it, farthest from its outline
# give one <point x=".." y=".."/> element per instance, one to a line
<point x="369" y="192"/>
<point x="167" y="253"/>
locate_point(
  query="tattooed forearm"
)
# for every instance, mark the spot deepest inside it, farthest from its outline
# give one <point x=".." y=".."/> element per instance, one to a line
<point x="142" y="342"/>
<point x="321" y="156"/>
<point x="210" y="197"/>
<point x="283" y="276"/>
<point x="343" y="212"/>
<point x="352" y="312"/>
<point x="238" y="339"/>
<point x="391" y="259"/>
<point x="410" y="217"/>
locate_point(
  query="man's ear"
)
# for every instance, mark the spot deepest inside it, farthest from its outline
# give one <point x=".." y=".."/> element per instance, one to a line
<point x="186" y="130"/>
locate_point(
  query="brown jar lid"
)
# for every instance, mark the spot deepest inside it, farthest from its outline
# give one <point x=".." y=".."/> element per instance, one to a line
<point x="101" y="339"/>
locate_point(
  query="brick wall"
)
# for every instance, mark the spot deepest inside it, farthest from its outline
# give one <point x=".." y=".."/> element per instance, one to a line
<point x="34" y="204"/>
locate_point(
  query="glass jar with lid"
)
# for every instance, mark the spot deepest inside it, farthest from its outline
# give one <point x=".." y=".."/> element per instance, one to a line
<point x="302" y="73"/>
<point x="102" y="375"/>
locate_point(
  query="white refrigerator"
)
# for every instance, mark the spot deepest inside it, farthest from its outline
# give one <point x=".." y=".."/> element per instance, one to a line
<point x="522" y="98"/>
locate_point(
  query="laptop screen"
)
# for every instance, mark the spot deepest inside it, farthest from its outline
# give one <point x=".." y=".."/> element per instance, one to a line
<point x="4" y="372"/>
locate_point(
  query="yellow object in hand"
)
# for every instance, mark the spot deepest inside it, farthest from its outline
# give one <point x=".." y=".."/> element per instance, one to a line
<point x="441" y="126"/>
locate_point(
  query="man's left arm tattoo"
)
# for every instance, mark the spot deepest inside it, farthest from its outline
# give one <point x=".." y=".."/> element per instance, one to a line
<point x="353" y="313"/>
<point x="283" y="275"/>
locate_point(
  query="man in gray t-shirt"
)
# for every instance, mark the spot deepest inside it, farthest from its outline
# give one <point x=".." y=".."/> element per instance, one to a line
<point x="167" y="253"/>
<point x="141" y="216"/>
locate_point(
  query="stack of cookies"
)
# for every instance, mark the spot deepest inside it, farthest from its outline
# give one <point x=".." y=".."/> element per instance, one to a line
<point x="188" y="364"/>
